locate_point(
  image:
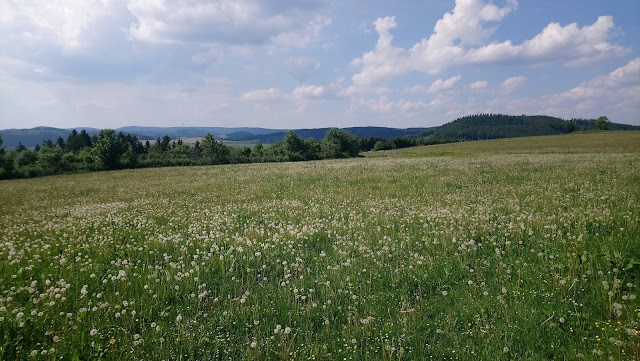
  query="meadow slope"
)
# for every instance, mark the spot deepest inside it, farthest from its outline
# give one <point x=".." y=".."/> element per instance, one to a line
<point x="524" y="248"/>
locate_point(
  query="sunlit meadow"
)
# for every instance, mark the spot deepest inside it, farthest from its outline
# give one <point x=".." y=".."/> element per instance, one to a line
<point x="507" y="249"/>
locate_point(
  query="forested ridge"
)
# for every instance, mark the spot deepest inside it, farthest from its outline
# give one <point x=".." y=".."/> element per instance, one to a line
<point x="493" y="126"/>
<point x="109" y="150"/>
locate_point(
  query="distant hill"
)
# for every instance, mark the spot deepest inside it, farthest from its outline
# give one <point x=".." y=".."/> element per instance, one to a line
<point x="319" y="133"/>
<point x="30" y="137"/>
<point x="190" y="132"/>
<point x="493" y="126"/>
<point x="480" y="126"/>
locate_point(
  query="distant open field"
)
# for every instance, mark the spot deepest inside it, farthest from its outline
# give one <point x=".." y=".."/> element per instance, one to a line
<point x="231" y="143"/>
<point x="525" y="248"/>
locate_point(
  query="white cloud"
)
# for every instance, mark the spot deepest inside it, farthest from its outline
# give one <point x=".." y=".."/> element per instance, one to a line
<point x="571" y="44"/>
<point x="442" y="85"/>
<point x="290" y="23"/>
<point x="385" y="60"/>
<point x="512" y="84"/>
<point x="459" y="37"/>
<point x="624" y="80"/>
<point x="63" y="22"/>
<point x="482" y="84"/>
<point x="615" y="94"/>
<point x="309" y="91"/>
<point x="263" y="95"/>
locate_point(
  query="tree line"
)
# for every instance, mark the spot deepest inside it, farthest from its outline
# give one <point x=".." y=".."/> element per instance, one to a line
<point x="109" y="150"/>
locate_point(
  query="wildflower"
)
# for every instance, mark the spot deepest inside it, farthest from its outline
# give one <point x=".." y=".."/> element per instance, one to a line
<point x="179" y="318"/>
<point x="254" y="344"/>
<point x="93" y="332"/>
<point x="444" y="293"/>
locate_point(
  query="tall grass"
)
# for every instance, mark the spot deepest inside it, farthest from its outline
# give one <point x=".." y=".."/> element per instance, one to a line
<point x="475" y="253"/>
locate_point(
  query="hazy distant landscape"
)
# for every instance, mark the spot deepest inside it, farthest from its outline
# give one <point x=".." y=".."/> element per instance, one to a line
<point x="464" y="128"/>
<point x="93" y="150"/>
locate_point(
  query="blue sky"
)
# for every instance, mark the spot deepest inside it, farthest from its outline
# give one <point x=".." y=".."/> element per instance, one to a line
<point x="314" y="63"/>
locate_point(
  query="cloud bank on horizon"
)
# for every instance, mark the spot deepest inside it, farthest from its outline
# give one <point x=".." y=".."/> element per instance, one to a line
<point x="313" y="63"/>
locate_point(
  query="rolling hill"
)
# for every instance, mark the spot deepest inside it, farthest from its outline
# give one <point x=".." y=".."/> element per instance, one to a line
<point x="493" y="126"/>
<point x="473" y="127"/>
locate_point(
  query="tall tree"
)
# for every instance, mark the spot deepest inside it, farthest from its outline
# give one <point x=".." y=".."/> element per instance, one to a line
<point x="214" y="151"/>
<point x="85" y="139"/>
<point x="346" y="142"/>
<point x="603" y="123"/>
<point x="61" y="143"/>
<point x="109" y="149"/>
<point x="74" y="143"/>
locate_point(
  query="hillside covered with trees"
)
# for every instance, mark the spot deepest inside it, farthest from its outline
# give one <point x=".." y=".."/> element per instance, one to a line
<point x="493" y="126"/>
<point x="108" y="149"/>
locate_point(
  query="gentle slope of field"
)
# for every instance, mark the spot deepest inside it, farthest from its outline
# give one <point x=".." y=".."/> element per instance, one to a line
<point x="508" y="249"/>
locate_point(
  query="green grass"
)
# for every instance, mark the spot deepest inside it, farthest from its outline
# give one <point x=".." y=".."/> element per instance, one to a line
<point x="519" y="249"/>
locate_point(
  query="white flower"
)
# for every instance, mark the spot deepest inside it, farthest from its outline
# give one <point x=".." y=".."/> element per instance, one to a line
<point x="444" y="293"/>
<point x="93" y="332"/>
<point x="287" y="330"/>
<point x="179" y="318"/>
<point x="254" y="344"/>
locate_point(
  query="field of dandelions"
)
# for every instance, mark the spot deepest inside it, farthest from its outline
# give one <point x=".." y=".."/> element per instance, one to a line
<point x="494" y="250"/>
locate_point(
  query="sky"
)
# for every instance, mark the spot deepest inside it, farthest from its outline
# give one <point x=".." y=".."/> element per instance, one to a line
<point x="314" y="63"/>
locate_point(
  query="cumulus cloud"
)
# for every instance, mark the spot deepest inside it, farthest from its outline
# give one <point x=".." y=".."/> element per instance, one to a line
<point x="309" y="91"/>
<point x="615" y="94"/>
<point x="620" y="84"/>
<point x="63" y="22"/>
<point x="571" y="44"/>
<point x="292" y="23"/>
<point x="442" y="85"/>
<point x="385" y="60"/>
<point x="512" y="84"/>
<point x="482" y="84"/>
<point x="262" y="95"/>
<point x="461" y="37"/>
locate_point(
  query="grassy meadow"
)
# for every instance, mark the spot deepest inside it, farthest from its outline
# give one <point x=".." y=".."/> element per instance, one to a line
<point x="517" y="249"/>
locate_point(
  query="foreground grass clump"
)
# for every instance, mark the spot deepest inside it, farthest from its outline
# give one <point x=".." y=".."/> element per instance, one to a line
<point x="440" y="253"/>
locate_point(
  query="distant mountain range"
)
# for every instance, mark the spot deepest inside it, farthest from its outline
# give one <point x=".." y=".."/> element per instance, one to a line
<point x="480" y="126"/>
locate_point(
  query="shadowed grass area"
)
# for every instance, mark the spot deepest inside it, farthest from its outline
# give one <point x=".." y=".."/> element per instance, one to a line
<point x="524" y="248"/>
